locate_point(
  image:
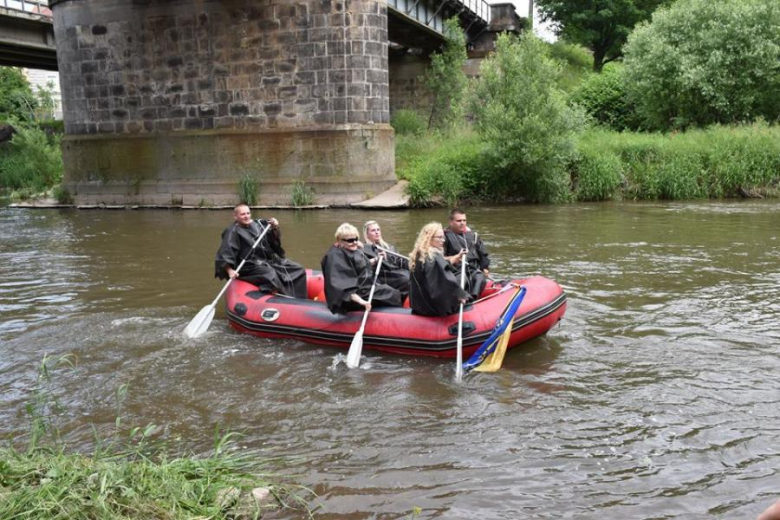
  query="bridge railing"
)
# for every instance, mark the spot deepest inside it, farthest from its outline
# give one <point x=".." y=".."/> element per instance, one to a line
<point x="28" y="6"/>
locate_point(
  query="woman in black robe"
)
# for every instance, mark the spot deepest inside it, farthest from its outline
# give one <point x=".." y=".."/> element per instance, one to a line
<point x="395" y="268"/>
<point x="349" y="276"/>
<point x="435" y="282"/>
<point x="266" y="265"/>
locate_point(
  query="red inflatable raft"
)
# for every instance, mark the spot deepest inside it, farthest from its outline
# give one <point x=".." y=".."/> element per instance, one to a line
<point x="394" y="330"/>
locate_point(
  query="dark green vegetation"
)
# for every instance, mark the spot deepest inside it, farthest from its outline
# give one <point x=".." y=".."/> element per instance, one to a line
<point x="130" y="475"/>
<point x="543" y="128"/>
<point x="601" y="26"/>
<point x="30" y="162"/>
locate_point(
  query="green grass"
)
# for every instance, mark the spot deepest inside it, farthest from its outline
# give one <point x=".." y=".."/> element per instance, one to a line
<point x="716" y="162"/>
<point x="576" y="64"/>
<point x="131" y="474"/>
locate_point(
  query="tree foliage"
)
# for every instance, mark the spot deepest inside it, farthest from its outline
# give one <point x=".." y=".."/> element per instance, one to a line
<point x="17" y="100"/>
<point x="701" y="62"/>
<point x="604" y="98"/>
<point x="523" y="117"/>
<point x="602" y="25"/>
<point x="446" y="79"/>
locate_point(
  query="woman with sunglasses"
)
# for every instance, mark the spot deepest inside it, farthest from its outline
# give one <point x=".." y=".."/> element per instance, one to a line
<point x="349" y="275"/>
<point x="395" y="268"/>
<point x="435" y="281"/>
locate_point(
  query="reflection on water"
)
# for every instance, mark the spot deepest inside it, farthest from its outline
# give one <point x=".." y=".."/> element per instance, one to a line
<point x="656" y="397"/>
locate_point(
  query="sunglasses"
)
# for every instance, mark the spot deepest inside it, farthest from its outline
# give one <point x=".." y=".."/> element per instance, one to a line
<point x="349" y="240"/>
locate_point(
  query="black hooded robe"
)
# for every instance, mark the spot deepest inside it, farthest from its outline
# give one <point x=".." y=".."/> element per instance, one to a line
<point x="435" y="287"/>
<point x="394" y="271"/>
<point x="477" y="259"/>
<point x="266" y="267"/>
<point x="347" y="272"/>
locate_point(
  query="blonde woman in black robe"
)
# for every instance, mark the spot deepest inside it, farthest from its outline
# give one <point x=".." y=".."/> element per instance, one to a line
<point x="435" y="281"/>
<point x="395" y="268"/>
<point x="349" y="275"/>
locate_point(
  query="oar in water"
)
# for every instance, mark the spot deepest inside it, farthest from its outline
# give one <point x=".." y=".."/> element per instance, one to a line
<point x="459" y="361"/>
<point x="200" y="323"/>
<point x="356" y="348"/>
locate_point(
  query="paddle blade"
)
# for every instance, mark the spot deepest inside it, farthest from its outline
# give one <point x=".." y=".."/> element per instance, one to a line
<point x="200" y="323"/>
<point x="355" y="349"/>
<point x="494" y="360"/>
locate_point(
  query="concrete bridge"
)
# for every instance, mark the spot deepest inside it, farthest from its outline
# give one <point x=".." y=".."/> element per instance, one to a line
<point x="27" y="35"/>
<point x="174" y="101"/>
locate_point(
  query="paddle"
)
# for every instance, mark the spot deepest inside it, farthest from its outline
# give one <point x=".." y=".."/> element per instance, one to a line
<point x="459" y="369"/>
<point x="356" y="348"/>
<point x="200" y="323"/>
<point x="399" y="255"/>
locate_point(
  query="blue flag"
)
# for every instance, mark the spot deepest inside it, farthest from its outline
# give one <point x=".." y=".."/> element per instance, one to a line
<point x="490" y="344"/>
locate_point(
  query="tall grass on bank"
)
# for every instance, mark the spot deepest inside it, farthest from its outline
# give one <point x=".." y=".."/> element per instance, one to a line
<point x="716" y="162"/>
<point x="442" y="168"/>
<point x="131" y="475"/>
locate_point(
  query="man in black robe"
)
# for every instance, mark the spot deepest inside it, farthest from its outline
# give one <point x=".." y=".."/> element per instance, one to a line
<point x="459" y="237"/>
<point x="266" y="265"/>
<point x="349" y="276"/>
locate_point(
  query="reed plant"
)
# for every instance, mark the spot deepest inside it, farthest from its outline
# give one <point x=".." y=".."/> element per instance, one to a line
<point x="130" y="475"/>
<point x="302" y="194"/>
<point x="247" y="189"/>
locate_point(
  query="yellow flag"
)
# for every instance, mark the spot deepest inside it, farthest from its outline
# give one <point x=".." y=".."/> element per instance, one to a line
<point x="494" y="360"/>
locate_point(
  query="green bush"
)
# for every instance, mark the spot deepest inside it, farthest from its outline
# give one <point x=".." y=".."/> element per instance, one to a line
<point x="603" y="97"/>
<point x="408" y="122"/>
<point x="17" y="100"/>
<point x="702" y="62"/>
<point x="31" y="163"/>
<point x="524" y="120"/>
<point x="451" y="170"/>
<point x="445" y="78"/>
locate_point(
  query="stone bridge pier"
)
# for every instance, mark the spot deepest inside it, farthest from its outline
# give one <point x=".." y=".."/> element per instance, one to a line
<point x="174" y="101"/>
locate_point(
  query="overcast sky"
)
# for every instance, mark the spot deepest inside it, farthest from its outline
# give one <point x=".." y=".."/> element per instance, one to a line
<point x="541" y="30"/>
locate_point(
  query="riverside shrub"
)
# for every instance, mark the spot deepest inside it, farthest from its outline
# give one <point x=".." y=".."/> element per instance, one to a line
<point x="604" y="98"/>
<point x="451" y="169"/>
<point x="31" y="163"/>
<point x="407" y="122"/>
<point x="523" y="119"/>
<point x="702" y="62"/>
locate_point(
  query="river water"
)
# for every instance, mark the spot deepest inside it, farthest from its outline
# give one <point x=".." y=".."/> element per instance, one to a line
<point x="657" y="396"/>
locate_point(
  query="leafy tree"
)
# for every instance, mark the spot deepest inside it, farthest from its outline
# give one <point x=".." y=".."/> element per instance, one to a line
<point x="600" y="25"/>
<point x="446" y="79"/>
<point x="17" y="100"/>
<point x="522" y="116"/>
<point x="701" y="62"/>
